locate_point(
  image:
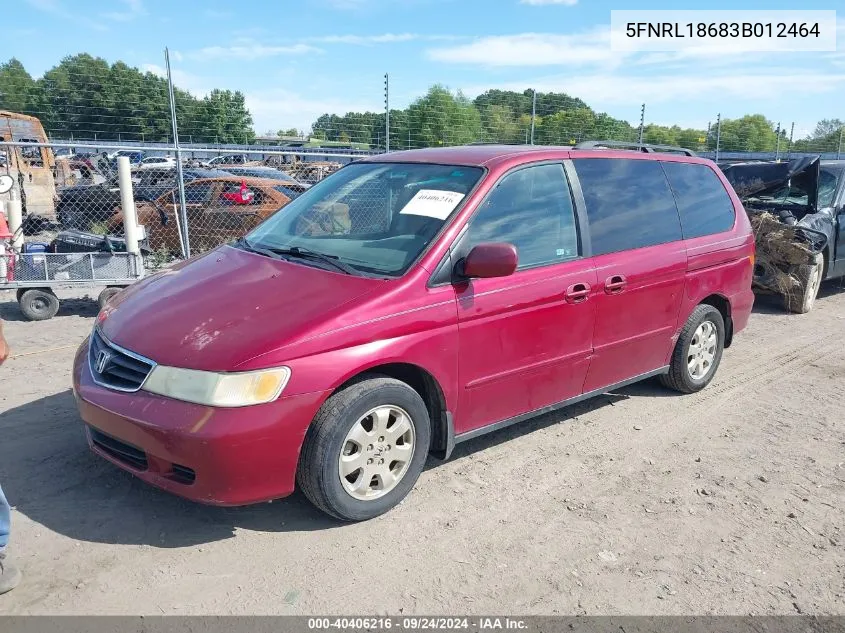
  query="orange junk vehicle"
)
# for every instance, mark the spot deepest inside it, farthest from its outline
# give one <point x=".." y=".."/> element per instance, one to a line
<point x="218" y="209"/>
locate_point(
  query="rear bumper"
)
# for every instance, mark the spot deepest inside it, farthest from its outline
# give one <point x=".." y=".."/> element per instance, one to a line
<point x="215" y="456"/>
<point x="741" y="305"/>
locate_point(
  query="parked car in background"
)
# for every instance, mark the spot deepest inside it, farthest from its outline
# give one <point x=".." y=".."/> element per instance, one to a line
<point x="83" y="206"/>
<point x="296" y="187"/>
<point x="226" y="160"/>
<point x="314" y="171"/>
<point x="219" y="209"/>
<point x="412" y="301"/>
<point x="135" y="156"/>
<point x="797" y="210"/>
<point x="157" y="162"/>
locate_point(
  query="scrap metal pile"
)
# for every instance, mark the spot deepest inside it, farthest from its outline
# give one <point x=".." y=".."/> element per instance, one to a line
<point x="781" y="201"/>
<point x="781" y="248"/>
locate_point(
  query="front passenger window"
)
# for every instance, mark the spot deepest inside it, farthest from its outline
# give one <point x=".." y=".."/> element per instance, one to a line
<point x="531" y="209"/>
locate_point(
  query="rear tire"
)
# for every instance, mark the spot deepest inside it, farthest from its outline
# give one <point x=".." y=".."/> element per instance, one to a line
<point x="810" y="276"/>
<point x="698" y="351"/>
<point x="39" y="304"/>
<point x="383" y="422"/>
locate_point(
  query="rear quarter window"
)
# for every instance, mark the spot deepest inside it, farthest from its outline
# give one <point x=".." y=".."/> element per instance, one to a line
<point x="704" y="205"/>
<point x="629" y="204"/>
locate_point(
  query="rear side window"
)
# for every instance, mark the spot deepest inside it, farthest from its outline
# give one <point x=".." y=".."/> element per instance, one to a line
<point x="703" y="203"/>
<point x="629" y="204"/>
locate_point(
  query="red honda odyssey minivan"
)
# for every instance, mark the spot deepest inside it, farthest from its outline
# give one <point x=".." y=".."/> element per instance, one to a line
<point x="409" y="302"/>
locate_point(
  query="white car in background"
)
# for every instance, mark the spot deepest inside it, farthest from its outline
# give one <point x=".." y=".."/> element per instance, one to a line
<point x="221" y="162"/>
<point x="157" y="162"/>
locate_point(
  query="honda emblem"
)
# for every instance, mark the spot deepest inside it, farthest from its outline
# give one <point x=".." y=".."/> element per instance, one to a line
<point x="103" y="359"/>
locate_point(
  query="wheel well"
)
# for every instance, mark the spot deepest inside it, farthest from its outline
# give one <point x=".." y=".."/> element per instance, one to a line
<point x="724" y="308"/>
<point x="429" y="390"/>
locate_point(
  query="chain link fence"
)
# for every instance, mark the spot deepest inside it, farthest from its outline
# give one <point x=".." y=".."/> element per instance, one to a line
<point x="71" y="196"/>
<point x="202" y="176"/>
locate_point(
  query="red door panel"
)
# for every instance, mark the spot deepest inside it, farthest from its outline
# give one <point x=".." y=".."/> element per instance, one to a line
<point x="525" y="341"/>
<point x="637" y="301"/>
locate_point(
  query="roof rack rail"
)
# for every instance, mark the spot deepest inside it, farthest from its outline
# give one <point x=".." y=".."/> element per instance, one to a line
<point x="491" y="143"/>
<point x="640" y="147"/>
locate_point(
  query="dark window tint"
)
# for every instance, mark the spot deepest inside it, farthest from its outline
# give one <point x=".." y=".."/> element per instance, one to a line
<point x="629" y="204"/>
<point x="703" y="203"/>
<point x="531" y="209"/>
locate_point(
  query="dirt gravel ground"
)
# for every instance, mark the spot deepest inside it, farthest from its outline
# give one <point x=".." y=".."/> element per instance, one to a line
<point x="730" y="501"/>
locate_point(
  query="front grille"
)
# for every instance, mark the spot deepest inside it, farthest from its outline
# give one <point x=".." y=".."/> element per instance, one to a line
<point x="115" y="367"/>
<point x="121" y="451"/>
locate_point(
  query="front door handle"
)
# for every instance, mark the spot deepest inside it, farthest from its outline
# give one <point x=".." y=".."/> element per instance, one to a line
<point x="615" y="284"/>
<point x="578" y="293"/>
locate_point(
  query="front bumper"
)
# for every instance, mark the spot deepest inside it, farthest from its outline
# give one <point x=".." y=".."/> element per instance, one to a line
<point x="211" y="455"/>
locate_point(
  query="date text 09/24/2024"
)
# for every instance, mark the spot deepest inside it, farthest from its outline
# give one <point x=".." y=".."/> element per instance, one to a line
<point x="722" y="29"/>
<point x="417" y="623"/>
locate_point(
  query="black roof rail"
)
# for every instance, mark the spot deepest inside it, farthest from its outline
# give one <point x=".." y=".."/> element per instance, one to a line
<point x="492" y="143"/>
<point x="640" y="147"/>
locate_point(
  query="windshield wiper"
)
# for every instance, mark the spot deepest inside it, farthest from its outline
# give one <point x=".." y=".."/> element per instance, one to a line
<point x="248" y="246"/>
<point x="304" y="253"/>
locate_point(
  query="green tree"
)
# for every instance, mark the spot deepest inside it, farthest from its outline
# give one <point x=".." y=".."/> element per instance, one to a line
<point x="500" y="125"/>
<point x="441" y="118"/>
<point x="84" y="97"/>
<point x="751" y="133"/>
<point x="221" y="116"/>
<point x="18" y="90"/>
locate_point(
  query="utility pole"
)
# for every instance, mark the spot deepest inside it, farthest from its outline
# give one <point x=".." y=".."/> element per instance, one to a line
<point x="718" y="134"/>
<point x="642" y="123"/>
<point x="839" y="146"/>
<point x="777" y="144"/>
<point x="386" y="113"/>
<point x="791" y="132"/>
<point x="533" y="113"/>
<point x="183" y="213"/>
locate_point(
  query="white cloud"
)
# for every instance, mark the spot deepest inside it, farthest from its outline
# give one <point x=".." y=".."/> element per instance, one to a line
<point x="250" y="51"/>
<point x="384" y="38"/>
<point x="277" y="109"/>
<point x="531" y="49"/>
<point x="54" y="8"/>
<point x="535" y="3"/>
<point x="196" y="85"/>
<point x="134" y="9"/>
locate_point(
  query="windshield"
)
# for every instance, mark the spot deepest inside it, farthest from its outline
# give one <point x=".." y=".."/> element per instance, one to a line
<point x="796" y="193"/>
<point x="375" y="217"/>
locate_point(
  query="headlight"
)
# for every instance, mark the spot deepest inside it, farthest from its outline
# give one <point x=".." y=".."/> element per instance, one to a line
<point x="218" y="390"/>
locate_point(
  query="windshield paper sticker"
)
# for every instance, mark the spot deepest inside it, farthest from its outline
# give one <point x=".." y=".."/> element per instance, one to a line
<point x="433" y="203"/>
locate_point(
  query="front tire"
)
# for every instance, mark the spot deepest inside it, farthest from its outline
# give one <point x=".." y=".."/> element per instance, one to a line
<point x="810" y="276"/>
<point x="365" y="449"/>
<point x="698" y="351"/>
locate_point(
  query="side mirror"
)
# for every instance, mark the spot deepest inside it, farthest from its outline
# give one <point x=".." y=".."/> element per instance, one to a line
<point x="489" y="260"/>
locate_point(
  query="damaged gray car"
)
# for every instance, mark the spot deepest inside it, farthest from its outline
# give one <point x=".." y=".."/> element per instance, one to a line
<point x="797" y="210"/>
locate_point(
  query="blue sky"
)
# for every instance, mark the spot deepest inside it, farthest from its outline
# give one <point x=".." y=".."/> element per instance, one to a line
<point x="295" y="59"/>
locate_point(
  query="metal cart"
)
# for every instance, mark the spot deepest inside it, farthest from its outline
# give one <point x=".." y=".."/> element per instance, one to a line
<point x="35" y="275"/>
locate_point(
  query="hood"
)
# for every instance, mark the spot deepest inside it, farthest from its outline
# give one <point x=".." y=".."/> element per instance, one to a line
<point x="758" y="179"/>
<point x="226" y="307"/>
